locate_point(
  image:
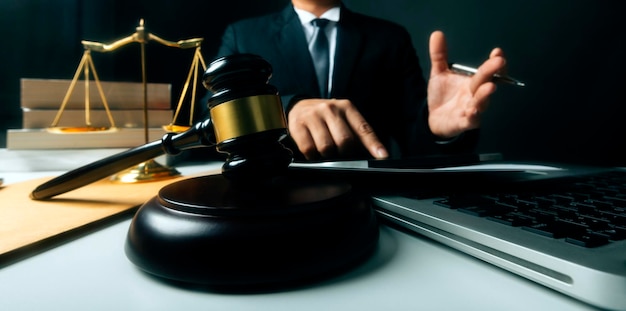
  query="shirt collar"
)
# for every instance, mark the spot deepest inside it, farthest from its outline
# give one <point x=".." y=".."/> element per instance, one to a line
<point x="306" y="17"/>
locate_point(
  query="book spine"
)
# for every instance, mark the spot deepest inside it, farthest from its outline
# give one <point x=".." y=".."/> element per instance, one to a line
<point x="50" y="93"/>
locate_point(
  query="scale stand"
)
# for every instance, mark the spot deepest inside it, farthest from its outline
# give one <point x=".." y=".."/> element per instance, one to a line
<point x="150" y="170"/>
<point x="193" y="71"/>
<point x="86" y="63"/>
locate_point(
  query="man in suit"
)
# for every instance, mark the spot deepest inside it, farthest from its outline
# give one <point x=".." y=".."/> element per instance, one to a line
<point x="378" y="97"/>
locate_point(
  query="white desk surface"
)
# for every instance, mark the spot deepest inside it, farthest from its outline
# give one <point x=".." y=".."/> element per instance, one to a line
<point x="407" y="272"/>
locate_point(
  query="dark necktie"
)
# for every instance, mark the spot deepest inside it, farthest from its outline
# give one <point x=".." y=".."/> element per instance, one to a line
<point x="320" y="54"/>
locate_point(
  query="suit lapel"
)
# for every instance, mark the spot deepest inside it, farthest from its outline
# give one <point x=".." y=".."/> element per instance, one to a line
<point x="349" y="40"/>
<point x="291" y="45"/>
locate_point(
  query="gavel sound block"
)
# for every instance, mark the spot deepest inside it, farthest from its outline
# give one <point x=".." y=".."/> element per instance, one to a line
<point x="253" y="225"/>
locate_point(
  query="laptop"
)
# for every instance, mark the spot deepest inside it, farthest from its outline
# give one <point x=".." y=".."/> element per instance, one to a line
<point x="561" y="226"/>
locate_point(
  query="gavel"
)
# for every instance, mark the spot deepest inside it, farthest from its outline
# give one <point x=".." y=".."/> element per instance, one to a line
<point x="254" y="226"/>
<point x="247" y="123"/>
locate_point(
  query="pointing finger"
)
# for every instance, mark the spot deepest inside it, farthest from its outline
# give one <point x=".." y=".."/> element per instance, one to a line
<point x="366" y="134"/>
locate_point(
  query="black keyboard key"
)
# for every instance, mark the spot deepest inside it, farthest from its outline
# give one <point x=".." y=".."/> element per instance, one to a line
<point x="588" y="240"/>
<point x="580" y="197"/>
<point x="562" y="199"/>
<point x="600" y="204"/>
<point x="586" y="208"/>
<point x="488" y="209"/>
<point x="615" y="233"/>
<point x="513" y="219"/>
<point x="616" y="201"/>
<point x="525" y="204"/>
<point x="543" y="215"/>
<point x="614" y="217"/>
<point x="607" y="191"/>
<point x="547" y="230"/>
<point x="566" y="211"/>
<point x="594" y="223"/>
<point x="544" y="201"/>
<point x="476" y="211"/>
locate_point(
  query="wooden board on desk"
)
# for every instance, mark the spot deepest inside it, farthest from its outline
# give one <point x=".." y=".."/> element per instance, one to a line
<point x="25" y="222"/>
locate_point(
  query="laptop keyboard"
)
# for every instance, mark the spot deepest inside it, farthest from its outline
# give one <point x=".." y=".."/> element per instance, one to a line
<point x="588" y="211"/>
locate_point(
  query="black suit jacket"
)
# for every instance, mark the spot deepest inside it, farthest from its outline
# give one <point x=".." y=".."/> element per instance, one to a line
<point x="376" y="67"/>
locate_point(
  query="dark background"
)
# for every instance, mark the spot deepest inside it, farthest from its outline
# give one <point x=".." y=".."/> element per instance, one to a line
<point x="570" y="53"/>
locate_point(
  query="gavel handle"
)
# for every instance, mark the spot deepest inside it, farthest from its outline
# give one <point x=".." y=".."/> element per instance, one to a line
<point x="200" y="135"/>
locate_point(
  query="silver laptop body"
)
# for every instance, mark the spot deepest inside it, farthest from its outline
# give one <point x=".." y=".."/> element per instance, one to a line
<point x="595" y="275"/>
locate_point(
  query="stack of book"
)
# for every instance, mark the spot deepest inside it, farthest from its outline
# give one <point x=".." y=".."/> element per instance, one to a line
<point x="41" y="103"/>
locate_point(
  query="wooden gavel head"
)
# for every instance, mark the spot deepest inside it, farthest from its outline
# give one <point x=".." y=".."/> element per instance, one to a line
<point x="248" y="118"/>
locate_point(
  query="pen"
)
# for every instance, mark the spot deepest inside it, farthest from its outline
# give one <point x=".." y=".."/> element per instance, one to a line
<point x="469" y="71"/>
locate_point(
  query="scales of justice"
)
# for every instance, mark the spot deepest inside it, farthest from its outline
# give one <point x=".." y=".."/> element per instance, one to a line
<point x="149" y="170"/>
<point x="259" y="225"/>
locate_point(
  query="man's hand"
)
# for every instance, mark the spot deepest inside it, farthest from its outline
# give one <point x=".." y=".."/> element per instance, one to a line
<point x="455" y="102"/>
<point x="327" y="128"/>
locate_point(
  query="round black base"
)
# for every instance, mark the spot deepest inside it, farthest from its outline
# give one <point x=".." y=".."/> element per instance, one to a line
<point x="205" y="231"/>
